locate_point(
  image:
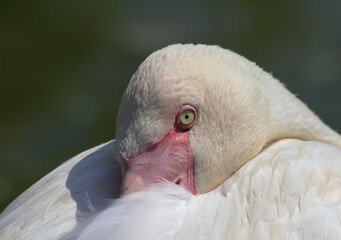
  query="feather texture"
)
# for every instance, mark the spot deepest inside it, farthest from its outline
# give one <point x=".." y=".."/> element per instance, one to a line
<point x="291" y="191"/>
<point x="51" y="207"/>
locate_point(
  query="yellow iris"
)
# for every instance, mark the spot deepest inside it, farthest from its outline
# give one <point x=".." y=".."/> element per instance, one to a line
<point x="187" y="117"/>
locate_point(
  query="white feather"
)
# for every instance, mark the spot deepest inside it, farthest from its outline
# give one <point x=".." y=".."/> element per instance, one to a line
<point x="291" y="191"/>
<point x="51" y="207"/>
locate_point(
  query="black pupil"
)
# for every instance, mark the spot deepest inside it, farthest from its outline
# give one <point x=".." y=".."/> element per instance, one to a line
<point x="186" y="116"/>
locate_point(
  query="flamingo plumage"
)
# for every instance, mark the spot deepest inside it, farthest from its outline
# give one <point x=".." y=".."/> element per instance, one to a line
<point x="210" y="147"/>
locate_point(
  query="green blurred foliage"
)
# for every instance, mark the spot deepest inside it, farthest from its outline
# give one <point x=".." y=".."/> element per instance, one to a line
<point x="65" y="64"/>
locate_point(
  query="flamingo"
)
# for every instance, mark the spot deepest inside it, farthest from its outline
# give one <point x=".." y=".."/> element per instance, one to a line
<point x="208" y="146"/>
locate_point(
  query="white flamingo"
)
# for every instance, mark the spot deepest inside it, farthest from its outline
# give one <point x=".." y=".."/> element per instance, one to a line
<point x="212" y="147"/>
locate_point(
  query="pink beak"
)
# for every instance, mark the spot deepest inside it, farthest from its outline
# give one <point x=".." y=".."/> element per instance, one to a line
<point x="170" y="160"/>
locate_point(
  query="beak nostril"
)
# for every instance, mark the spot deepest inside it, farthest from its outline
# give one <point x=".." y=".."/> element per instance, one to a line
<point x="178" y="181"/>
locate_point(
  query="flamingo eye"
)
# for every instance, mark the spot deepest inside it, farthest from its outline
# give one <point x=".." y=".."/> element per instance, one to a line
<point x="187" y="116"/>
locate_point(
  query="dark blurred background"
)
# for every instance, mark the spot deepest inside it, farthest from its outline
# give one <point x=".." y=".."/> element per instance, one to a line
<point x="65" y="64"/>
